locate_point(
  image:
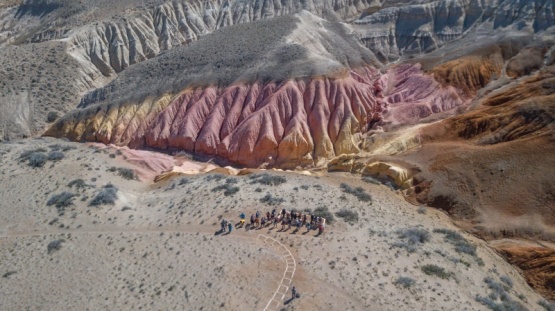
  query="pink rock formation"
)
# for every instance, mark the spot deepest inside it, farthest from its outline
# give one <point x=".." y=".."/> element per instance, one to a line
<point x="283" y="124"/>
<point x="409" y="95"/>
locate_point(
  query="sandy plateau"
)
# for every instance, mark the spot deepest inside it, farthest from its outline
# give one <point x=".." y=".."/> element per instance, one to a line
<point x="156" y="247"/>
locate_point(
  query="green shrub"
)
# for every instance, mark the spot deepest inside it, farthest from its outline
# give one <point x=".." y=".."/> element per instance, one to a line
<point x="546" y="305"/>
<point x="51" y="116"/>
<point x="124" y="172"/>
<point x="106" y="195"/>
<point x="436" y="271"/>
<point x="347" y="215"/>
<point x="63" y="199"/>
<point x="26" y="155"/>
<point x="229" y="189"/>
<point x="411" y="238"/>
<point x="371" y="180"/>
<point x="37" y="159"/>
<point x="271" y="200"/>
<point x="358" y="192"/>
<point x="78" y="183"/>
<point x="324" y="212"/>
<point x="55" y="245"/>
<point x="55" y="155"/>
<point x="461" y="244"/>
<point x="404" y="281"/>
<point x="216" y="177"/>
<point x="267" y="179"/>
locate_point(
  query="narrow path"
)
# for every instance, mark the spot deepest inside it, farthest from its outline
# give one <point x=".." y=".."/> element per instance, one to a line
<point x="283" y="252"/>
<point x="290" y="267"/>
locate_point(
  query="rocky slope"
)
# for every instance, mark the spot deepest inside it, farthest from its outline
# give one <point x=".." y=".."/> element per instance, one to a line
<point x="106" y="37"/>
<point x="489" y="168"/>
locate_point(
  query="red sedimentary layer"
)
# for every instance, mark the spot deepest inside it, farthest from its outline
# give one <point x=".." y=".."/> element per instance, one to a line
<point x="285" y="124"/>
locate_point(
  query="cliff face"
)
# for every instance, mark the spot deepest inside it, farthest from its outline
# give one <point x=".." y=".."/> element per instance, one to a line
<point x="421" y="28"/>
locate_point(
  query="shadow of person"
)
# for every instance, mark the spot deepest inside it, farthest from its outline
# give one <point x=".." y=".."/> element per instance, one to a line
<point x="288" y="301"/>
<point x="219" y="232"/>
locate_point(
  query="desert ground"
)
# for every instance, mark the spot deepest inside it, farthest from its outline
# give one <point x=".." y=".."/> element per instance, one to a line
<point x="157" y="247"/>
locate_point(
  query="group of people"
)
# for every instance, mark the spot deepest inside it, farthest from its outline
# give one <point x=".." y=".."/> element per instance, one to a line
<point x="286" y="218"/>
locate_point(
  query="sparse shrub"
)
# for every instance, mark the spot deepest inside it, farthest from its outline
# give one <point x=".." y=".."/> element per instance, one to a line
<point x="421" y="210"/>
<point x="347" y="215"/>
<point x="371" y="180"/>
<point x="216" y="177"/>
<point x="60" y="147"/>
<point x="267" y="179"/>
<point x="231" y="180"/>
<point x="229" y="189"/>
<point x="55" y="245"/>
<point x="61" y="200"/>
<point x="25" y="155"/>
<point x="37" y="159"/>
<point x="496" y="287"/>
<point x="55" y="155"/>
<point x="507" y="281"/>
<point x="184" y="181"/>
<point x="487" y="301"/>
<point x="461" y="244"/>
<point x="258" y="190"/>
<point x="126" y="173"/>
<point x="411" y="238"/>
<point x="305" y="187"/>
<point x="324" y="212"/>
<point x="505" y="305"/>
<point x="8" y="274"/>
<point x="546" y="305"/>
<point x="405" y="282"/>
<point x="436" y="271"/>
<point x="51" y="116"/>
<point x="498" y="291"/>
<point x="78" y="183"/>
<point x="271" y="200"/>
<point x="106" y="195"/>
<point x="357" y="192"/>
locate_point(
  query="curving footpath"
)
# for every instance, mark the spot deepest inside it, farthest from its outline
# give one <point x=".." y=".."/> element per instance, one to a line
<point x="278" y="296"/>
<point x="290" y="267"/>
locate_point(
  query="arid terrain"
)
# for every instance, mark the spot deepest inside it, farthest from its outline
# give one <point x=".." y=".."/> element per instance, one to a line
<point x="156" y="246"/>
<point x="423" y="131"/>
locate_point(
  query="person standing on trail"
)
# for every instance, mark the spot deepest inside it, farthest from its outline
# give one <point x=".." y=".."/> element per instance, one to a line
<point x="242" y="219"/>
<point x="293" y="292"/>
<point x="222" y="225"/>
<point x="230" y="227"/>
